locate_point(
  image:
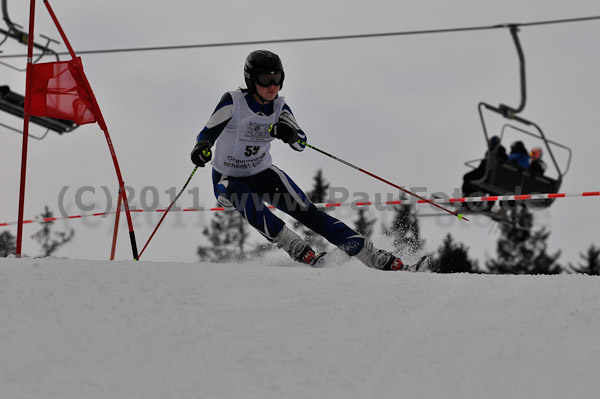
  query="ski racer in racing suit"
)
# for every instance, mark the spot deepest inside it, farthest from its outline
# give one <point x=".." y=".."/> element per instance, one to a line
<point x="241" y="130"/>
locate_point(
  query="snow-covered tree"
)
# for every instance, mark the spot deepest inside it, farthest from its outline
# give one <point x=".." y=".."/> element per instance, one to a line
<point x="523" y="251"/>
<point x="49" y="240"/>
<point x="7" y="244"/>
<point x="453" y="257"/>
<point x="227" y="234"/>
<point x="591" y="262"/>
<point x="363" y="225"/>
<point x="317" y="195"/>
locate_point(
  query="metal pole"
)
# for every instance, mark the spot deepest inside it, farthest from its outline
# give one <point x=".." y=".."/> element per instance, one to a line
<point x="167" y="211"/>
<point x="26" y="110"/>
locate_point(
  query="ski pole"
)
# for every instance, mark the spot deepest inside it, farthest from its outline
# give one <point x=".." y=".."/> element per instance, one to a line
<point x="167" y="211"/>
<point x="459" y="215"/>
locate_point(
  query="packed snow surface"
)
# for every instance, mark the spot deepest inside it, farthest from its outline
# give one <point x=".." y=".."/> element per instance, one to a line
<point x="74" y="329"/>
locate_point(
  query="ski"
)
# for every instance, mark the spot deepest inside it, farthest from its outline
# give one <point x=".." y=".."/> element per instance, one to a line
<point x="319" y="260"/>
<point x="420" y="266"/>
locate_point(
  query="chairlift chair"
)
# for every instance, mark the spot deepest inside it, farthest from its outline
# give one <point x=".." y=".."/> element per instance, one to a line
<point x="13" y="103"/>
<point x="506" y="178"/>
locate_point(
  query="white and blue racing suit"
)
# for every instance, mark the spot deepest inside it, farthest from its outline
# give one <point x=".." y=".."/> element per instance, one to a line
<point x="245" y="178"/>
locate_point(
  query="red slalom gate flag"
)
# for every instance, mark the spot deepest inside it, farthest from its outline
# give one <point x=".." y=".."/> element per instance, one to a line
<point x="60" y="90"/>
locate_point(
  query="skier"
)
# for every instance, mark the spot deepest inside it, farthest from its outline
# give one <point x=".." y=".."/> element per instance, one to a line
<point x="241" y="128"/>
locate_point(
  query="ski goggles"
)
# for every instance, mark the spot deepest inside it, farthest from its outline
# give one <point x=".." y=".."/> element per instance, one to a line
<point x="266" y="79"/>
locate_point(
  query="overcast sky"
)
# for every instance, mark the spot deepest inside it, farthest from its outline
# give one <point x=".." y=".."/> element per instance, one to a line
<point x="402" y="107"/>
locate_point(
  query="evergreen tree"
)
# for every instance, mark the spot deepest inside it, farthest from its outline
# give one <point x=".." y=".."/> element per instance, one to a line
<point x="453" y="258"/>
<point x="521" y="251"/>
<point x="8" y="244"/>
<point x="543" y="262"/>
<point x="363" y="225"/>
<point x="591" y="262"/>
<point x="50" y="240"/>
<point x="319" y="192"/>
<point x="227" y="234"/>
<point x="405" y="229"/>
<point x="317" y="195"/>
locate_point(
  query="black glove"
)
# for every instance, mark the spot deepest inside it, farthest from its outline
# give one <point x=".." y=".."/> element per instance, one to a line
<point x="201" y="154"/>
<point x="283" y="131"/>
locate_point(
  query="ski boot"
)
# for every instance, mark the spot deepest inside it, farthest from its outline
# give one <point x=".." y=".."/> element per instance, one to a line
<point x="297" y="248"/>
<point x="384" y="260"/>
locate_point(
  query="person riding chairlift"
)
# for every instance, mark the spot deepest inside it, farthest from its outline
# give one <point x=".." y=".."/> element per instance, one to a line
<point x="497" y="151"/>
<point x="519" y="154"/>
<point x="537" y="164"/>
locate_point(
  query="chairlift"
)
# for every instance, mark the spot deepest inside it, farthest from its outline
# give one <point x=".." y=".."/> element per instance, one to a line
<point x="12" y="102"/>
<point x="505" y="178"/>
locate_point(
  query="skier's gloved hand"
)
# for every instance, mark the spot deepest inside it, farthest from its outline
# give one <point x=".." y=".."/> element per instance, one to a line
<point x="201" y="154"/>
<point x="284" y="131"/>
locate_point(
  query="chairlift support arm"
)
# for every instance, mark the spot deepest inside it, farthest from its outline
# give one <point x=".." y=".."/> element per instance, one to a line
<point x="502" y="109"/>
<point x="16" y="33"/>
<point x="509" y="111"/>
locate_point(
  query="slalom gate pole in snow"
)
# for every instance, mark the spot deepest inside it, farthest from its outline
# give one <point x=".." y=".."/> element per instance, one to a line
<point x="116" y="230"/>
<point x="167" y="211"/>
<point x="459" y="215"/>
<point x="26" y="117"/>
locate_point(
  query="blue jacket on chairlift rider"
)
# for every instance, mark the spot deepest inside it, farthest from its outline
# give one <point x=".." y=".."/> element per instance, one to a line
<point x="519" y="155"/>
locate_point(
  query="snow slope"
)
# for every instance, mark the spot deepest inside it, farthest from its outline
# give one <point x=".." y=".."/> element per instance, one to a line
<point x="74" y="329"/>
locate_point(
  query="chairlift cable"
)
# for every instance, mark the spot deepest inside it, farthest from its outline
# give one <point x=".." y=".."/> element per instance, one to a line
<point x="324" y="38"/>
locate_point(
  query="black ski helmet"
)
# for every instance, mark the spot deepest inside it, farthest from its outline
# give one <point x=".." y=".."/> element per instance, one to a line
<point x="261" y="61"/>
